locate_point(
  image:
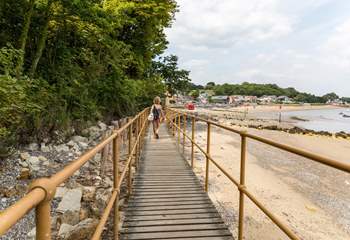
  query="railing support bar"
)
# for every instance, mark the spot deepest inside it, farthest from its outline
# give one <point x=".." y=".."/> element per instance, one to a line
<point x="242" y="183"/>
<point x="184" y="133"/>
<point x="207" y="159"/>
<point x="43" y="221"/>
<point x="115" y="184"/>
<point x="192" y="142"/>
<point x="129" y="154"/>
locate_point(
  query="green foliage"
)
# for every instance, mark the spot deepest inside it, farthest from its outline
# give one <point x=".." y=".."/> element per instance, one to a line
<point x="259" y="90"/>
<point x="194" y="93"/>
<point x="176" y="80"/>
<point x="87" y="60"/>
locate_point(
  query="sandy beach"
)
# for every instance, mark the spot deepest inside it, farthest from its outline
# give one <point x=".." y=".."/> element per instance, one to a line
<point x="310" y="198"/>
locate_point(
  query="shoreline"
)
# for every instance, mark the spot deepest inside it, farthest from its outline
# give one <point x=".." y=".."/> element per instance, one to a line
<point x="254" y="118"/>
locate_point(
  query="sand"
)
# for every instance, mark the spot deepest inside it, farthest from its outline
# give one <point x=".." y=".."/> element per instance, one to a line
<point x="310" y="198"/>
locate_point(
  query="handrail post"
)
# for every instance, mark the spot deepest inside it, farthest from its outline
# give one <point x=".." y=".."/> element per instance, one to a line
<point x="129" y="154"/>
<point x="178" y="130"/>
<point x="43" y="210"/>
<point x="115" y="184"/>
<point x="43" y="221"/>
<point x="192" y="143"/>
<point x="137" y="130"/>
<point x="242" y="185"/>
<point x="207" y="159"/>
<point x="173" y="122"/>
<point x="184" y="133"/>
<point x="138" y="146"/>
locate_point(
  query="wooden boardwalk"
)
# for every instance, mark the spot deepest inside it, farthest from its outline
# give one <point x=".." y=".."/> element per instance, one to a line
<point x="168" y="201"/>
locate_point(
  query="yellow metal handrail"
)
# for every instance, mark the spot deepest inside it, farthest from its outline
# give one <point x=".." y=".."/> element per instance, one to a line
<point x="42" y="191"/>
<point x="174" y="121"/>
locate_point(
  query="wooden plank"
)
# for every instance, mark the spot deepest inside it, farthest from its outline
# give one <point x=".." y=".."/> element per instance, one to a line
<point x="169" y="199"/>
<point x="171" y="217"/>
<point x="170" y="212"/>
<point x="174" y="228"/>
<point x="167" y="207"/>
<point x="183" y="234"/>
<point x="169" y="203"/>
<point x="172" y="222"/>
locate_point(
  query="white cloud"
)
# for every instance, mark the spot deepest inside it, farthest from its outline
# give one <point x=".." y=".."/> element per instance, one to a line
<point x="221" y="23"/>
<point x="337" y="47"/>
<point x="303" y="44"/>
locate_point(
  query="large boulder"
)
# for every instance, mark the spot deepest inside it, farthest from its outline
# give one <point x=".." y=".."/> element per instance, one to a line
<point x="102" y="126"/>
<point x="80" y="139"/>
<point x="92" y="132"/>
<point x="70" y="205"/>
<point x="82" y="230"/>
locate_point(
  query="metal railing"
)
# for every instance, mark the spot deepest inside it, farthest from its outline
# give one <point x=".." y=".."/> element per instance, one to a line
<point x="42" y="191"/>
<point x="174" y="122"/>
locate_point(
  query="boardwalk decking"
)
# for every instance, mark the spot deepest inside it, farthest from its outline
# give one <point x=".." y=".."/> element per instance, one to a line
<point x="168" y="201"/>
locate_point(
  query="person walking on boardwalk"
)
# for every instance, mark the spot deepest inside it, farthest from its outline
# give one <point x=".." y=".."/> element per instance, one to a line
<point x="158" y="115"/>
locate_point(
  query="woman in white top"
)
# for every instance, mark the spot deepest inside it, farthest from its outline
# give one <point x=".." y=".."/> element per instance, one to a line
<point x="158" y="115"/>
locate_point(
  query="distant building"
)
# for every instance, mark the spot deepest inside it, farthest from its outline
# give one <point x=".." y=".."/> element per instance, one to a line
<point x="240" y="99"/>
<point x="284" y="99"/>
<point x="267" y="99"/>
<point x="220" y="99"/>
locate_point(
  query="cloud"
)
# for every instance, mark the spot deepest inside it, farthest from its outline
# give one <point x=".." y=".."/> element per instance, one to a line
<point x="336" y="48"/>
<point x="302" y="45"/>
<point x="221" y="24"/>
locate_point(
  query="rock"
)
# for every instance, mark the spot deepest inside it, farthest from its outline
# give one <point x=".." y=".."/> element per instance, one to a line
<point x="24" y="156"/>
<point x="62" y="148"/>
<point x="34" y="163"/>
<point x="44" y="148"/>
<point x="33" y="147"/>
<point x="83" y="145"/>
<point x="101" y="199"/>
<point x="64" y="229"/>
<point x="24" y="174"/>
<point x="70" y="206"/>
<point x="89" y="194"/>
<point x="71" y="143"/>
<point x="23" y="164"/>
<point x="83" y="230"/>
<point x="92" y="132"/>
<point x="80" y="139"/>
<point x="102" y="126"/>
<point x="43" y="160"/>
<point x="60" y="191"/>
<point x="84" y="214"/>
<point x="32" y="234"/>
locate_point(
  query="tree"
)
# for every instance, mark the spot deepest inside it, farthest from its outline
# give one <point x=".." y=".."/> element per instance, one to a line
<point x="330" y="97"/>
<point x="210" y="85"/>
<point x="80" y="61"/>
<point x="194" y="94"/>
<point x="176" y="80"/>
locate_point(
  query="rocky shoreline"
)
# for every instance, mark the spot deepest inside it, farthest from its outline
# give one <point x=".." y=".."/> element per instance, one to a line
<point x="80" y="201"/>
<point x="270" y="125"/>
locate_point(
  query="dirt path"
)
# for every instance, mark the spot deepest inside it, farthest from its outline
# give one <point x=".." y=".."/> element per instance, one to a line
<point x="310" y="198"/>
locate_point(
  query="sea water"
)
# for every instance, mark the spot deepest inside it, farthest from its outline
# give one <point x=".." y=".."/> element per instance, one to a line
<point x="330" y="120"/>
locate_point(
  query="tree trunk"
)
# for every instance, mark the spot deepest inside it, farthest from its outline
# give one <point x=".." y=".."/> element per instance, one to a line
<point x="24" y="36"/>
<point x="42" y="40"/>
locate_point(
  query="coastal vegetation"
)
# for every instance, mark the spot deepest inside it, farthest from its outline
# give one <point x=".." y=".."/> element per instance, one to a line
<point x="65" y="64"/>
<point x="259" y="90"/>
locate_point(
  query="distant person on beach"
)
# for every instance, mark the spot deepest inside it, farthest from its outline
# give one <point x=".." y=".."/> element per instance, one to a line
<point x="158" y="115"/>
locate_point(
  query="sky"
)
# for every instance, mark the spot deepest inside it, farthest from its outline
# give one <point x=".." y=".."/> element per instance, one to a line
<point x="294" y="43"/>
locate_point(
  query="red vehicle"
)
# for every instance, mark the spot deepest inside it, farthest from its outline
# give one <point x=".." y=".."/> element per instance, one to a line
<point x="189" y="106"/>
